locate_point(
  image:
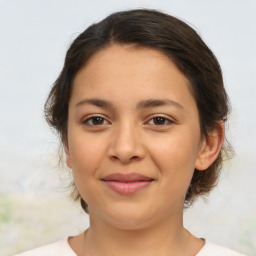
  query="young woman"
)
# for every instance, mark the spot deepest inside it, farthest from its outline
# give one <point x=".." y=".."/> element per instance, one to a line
<point x="140" y="109"/>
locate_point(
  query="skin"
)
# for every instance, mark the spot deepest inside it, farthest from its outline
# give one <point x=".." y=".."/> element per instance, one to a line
<point x="129" y="139"/>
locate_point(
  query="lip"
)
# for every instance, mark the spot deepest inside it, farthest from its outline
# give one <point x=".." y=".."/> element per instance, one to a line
<point x="128" y="183"/>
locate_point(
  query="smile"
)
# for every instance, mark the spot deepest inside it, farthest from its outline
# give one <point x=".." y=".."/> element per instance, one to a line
<point x="127" y="184"/>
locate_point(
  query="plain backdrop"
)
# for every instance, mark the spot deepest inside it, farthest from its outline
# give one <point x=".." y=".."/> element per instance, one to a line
<point x="34" y="36"/>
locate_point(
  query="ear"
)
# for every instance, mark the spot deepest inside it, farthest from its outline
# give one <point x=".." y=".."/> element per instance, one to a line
<point x="68" y="157"/>
<point x="210" y="147"/>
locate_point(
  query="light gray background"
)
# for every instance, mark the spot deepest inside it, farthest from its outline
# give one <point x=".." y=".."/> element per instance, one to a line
<point x="34" y="36"/>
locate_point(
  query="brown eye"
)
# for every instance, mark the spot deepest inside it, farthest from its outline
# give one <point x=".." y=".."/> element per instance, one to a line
<point x="160" y="121"/>
<point x="96" y="120"/>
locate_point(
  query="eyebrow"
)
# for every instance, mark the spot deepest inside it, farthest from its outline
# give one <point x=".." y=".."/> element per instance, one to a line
<point x="140" y="105"/>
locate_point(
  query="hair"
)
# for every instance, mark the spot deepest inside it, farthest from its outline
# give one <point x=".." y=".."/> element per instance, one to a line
<point x="175" y="39"/>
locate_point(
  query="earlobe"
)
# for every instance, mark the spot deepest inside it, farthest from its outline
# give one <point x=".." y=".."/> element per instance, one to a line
<point x="210" y="147"/>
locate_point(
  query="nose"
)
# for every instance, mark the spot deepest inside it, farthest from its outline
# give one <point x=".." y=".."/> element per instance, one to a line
<point x="126" y="144"/>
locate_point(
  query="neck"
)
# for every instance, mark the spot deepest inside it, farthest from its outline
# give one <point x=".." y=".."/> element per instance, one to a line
<point x="167" y="237"/>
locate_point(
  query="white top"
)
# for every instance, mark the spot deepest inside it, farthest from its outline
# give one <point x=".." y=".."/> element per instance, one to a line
<point x="62" y="248"/>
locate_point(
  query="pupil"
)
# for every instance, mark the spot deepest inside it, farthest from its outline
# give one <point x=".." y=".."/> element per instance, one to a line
<point x="159" y="120"/>
<point x="97" y="120"/>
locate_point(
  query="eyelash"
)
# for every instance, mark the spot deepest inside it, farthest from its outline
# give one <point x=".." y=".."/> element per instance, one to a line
<point x="169" y="121"/>
<point x="86" y="121"/>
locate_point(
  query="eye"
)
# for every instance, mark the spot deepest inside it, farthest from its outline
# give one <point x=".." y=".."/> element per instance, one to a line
<point x="95" y="121"/>
<point x="160" y="121"/>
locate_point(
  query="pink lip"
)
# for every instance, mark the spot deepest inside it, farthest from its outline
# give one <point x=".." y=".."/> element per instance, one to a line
<point x="127" y="184"/>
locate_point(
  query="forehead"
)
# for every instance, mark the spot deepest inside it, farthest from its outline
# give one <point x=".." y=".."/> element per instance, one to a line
<point x="125" y="72"/>
<point x="129" y="55"/>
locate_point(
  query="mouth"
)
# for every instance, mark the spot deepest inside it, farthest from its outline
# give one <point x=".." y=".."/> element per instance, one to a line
<point x="127" y="184"/>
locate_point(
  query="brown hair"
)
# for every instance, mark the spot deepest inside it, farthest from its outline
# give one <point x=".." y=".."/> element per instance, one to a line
<point x="175" y="39"/>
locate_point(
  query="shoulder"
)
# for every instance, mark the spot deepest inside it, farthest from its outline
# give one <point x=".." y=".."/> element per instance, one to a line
<point x="211" y="249"/>
<point x="60" y="248"/>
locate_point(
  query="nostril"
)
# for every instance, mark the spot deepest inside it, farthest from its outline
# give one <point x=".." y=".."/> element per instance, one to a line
<point x="124" y="159"/>
<point x="115" y="157"/>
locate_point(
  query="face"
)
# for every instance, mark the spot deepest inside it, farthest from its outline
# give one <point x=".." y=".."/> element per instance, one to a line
<point x="133" y="136"/>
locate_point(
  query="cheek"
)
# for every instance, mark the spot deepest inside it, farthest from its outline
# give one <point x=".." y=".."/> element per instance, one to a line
<point x="85" y="154"/>
<point x="175" y="156"/>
